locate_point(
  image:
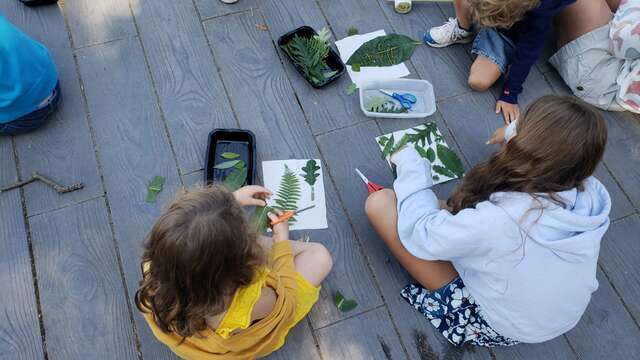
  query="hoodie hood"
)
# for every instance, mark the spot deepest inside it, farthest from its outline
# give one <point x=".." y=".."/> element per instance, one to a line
<point x="572" y="232"/>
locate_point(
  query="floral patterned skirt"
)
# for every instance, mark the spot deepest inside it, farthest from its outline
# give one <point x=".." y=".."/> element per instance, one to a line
<point x="455" y="314"/>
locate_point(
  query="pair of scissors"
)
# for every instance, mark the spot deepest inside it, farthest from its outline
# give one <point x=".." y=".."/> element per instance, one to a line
<point x="406" y="100"/>
<point x="285" y="216"/>
<point x="371" y="186"/>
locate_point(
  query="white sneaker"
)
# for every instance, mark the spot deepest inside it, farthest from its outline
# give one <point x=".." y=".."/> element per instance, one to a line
<point x="229" y="1"/>
<point x="448" y="34"/>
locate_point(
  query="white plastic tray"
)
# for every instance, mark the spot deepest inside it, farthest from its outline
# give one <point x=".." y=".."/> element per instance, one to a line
<point x="422" y="89"/>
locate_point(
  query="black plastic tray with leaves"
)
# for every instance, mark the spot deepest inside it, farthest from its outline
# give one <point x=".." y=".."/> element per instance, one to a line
<point x="223" y="143"/>
<point x="333" y="60"/>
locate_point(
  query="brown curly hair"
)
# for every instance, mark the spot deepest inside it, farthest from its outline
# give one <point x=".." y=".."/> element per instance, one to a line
<point x="200" y="251"/>
<point x="559" y="143"/>
<point x="500" y="13"/>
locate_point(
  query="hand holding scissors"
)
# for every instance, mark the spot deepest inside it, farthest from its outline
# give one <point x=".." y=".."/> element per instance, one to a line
<point x="406" y="100"/>
<point x="285" y="216"/>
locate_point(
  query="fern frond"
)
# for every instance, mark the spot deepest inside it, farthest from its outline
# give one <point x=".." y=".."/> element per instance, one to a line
<point x="324" y="35"/>
<point x="310" y="54"/>
<point x="288" y="193"/>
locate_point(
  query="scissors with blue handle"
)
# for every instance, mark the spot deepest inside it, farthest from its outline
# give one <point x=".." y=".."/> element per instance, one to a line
<point x="406" y="100"/>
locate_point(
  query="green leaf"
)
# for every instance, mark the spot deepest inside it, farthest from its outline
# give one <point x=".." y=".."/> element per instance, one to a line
<point x="384" y="50"/>
<point x="431" y="155"/>
<point x="352" y="31"/>
<point x="226" y="164"/>
<point x="450" y="160"/>
<point x="230" y="155"/>
<point x="383" y="140"/>
<point x="342" y="303"/>
<point x="260" y="220"/>
<point x="428" y="154"/>
<point x="435" y="178"/>
<point x="443" y="171"/>
<point x="240" y="164"/>
<point x="154" y="188"/>
<point x="236" y="179"/>
<point x="388" y="148"/>
<point x="310" y="55"/>
<point x="351" y="88"/>
<point x="288" y="193"/>
<point x="355" y="67"/>
<point x="311" y="173"/>
<point x="403" y="141"/>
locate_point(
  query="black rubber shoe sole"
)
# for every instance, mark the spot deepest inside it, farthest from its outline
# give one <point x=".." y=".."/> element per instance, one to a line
<point x="38" y="2"/>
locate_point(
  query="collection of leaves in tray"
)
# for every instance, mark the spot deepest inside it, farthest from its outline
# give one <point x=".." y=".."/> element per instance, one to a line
<point x="386" y="50"/>
<point x="238" y="176"/>
<point x="379" y="104"/>
<point x="310" y="54"/>
<point x="423" y="140"/>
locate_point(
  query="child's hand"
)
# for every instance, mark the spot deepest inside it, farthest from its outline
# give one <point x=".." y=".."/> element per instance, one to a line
<point x="252" y="195"/>
<point x="281" y="230"/>
<point x="498" y="136"/>
<point x="510" y="112"/>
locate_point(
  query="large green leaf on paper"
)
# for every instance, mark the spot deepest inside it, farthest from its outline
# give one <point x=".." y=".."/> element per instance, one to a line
<point x="288" y="193"/>
<point x="388" y="147"/>
<point x="236" y="179"/>
<point x="443" y="171"/>
<point x="428" y="154"/>
<point x="311" y="173"/>
<point x="450" y="160"/>
<point x="403" y="141"/>
<point x="384" y="50"/>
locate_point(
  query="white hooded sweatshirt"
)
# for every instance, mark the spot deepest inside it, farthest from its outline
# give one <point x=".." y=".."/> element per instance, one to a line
<point x="530" y="264"/>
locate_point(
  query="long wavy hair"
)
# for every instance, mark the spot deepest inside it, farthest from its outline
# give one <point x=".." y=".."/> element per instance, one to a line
<point x="197" y="254"/>
<point x="559" y="143"/>
<point x="500" y="13"/>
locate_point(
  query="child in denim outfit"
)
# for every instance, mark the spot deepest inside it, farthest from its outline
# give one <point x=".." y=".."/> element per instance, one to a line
<point x="511" y="37"/>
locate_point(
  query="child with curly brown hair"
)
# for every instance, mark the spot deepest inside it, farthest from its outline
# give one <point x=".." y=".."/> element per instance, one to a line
<point x="511" y="36"/>
<point x="213" y="288"/>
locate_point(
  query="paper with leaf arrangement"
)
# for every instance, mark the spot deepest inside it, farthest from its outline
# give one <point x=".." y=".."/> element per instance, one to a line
<point x="297" y="184"/>
<point x="350" y="44"/>
<point x="429" y="143"/>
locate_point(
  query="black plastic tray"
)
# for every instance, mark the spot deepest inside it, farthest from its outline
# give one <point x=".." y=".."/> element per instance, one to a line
<point x="239" y="141"/>
<point x="333" y="60"/>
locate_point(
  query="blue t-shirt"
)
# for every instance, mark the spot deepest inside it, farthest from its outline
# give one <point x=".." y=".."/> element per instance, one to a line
<point x="27" y="73"/>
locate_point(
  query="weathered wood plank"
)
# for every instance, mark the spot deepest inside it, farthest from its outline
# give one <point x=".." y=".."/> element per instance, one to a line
<point x="619" y="254"/>
<point x="193" y="179"/>
<point x="62" y="149"/>
<point x="325" y="109"/>
<point x="300" y="344"/>
<point x="623" y="152"/>
<point x="98" y="21"/>
<point x="556" y="349"/>
<point x="417" y="334"/>
<point x="265" y="104"/>
<point x="133" y="148"/>
<point x="210" y="8"/>
<point x="606" y="330"/>
<point x="534" y="87"/>
<point x="556" y="82"/>
<point x="19" y="327"/>
<point x="620" y="205"/>
<point x="472" y="120"/>
<point x="191" y="93"/>
<point x="430" y="62"/>
<point x="366" y="336"/>
<point x="83" y="300"/>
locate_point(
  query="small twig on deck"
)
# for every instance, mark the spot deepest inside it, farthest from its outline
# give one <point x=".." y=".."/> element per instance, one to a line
<point x="38" y="177"/>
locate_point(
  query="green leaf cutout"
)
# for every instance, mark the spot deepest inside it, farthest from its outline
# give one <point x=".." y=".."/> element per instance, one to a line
<point x="240" y="164"/>
<point x="352" y="31"/>
<point x="383" y="140"/>
<point x="350" y="89"/>
<point x="344" y="304"/>
<point x="226" y="164"/>
<point x="310" y="175"/>
<point x="388" y="148"/>
<point x="154" y="188"/>
<point x="450" y="160"/>
<point x="355" y="67"/>
<point x="443" y="171"/>
<point x="236" y="179"/>
<point x="288" y="193"/>
<point x="384" y="50"/>
<point x="230" y="155"/>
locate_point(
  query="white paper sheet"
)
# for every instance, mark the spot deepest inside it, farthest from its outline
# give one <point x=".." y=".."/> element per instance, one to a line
<point x="315" y="218"/>
<point x="429" y="144"/>
<point x="350" y="44"/>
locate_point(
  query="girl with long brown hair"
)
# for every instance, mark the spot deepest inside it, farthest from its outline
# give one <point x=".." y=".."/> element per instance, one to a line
<point x="213" y="288"/>
<point x="512" y="256"/>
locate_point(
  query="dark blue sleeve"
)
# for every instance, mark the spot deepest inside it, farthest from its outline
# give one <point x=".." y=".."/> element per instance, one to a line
<point x="535" y="30"/>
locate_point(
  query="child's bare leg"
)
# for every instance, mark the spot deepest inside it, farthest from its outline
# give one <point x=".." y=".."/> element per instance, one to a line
<point x="462" y="13"/>
<point x="312" y="260"/>
<point x="483" y="74"/>
<point x="613" y="5"/>
<point x="381" y="210"/>
<point x="582" y="17"/>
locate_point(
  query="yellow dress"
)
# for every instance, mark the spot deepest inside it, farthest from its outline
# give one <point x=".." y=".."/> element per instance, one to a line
<point x="295" y="298"/>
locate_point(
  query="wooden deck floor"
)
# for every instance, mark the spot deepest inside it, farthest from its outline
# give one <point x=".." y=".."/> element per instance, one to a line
<point x="145" y="81"/>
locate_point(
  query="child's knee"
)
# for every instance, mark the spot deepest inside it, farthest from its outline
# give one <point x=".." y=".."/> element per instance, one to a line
<point x="322" y="257"/>
<point x="379" y="201"/>
<point x="479" y="83"/>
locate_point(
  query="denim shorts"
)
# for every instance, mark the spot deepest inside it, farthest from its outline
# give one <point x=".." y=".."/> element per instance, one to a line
<point x="34" y="119"/>
<point x="495" y="46"/>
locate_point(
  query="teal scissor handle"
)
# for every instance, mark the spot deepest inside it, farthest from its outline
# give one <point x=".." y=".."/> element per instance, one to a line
<point x="406" y="100"/>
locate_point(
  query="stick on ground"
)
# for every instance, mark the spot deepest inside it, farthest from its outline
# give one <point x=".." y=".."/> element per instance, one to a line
<point x="38" y="177"/>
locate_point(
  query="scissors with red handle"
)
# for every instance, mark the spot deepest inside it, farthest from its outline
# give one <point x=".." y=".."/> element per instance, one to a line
<point x="285" y="216"/>
<point x="371" y="186"/>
